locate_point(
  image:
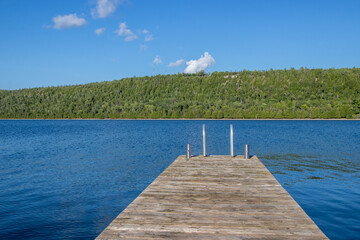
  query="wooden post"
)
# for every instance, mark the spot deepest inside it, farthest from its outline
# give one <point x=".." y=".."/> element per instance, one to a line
<point x="188" y="151"/>
<point x="246" y="151"/>
<point x="204" y="141"/>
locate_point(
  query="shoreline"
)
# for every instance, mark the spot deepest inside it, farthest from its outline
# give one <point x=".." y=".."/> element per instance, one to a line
<point x="187" y="119"/>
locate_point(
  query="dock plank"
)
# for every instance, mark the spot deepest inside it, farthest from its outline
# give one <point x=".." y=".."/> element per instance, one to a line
<point x="214" y="197"/>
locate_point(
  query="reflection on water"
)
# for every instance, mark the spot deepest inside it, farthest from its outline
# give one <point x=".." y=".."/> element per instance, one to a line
<point x="69" y="179"/>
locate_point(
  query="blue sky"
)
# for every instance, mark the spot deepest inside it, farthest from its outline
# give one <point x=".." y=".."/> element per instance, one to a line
<point x="52" y="43"/>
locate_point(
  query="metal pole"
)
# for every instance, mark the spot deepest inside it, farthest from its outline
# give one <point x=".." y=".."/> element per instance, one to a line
<point x="188" y="151"/>
<point x="246" y="151"/>
<point x="204" y="141"/>
<point x="231" y="140"/>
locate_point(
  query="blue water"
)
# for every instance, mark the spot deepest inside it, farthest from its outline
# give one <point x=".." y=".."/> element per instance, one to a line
<point x="69" y="179"/>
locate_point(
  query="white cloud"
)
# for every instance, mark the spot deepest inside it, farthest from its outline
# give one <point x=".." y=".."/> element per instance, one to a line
<point x="99" y="31"/>
<point x="143" y="47"/>
<point x="68" y="21"/>
<point x="157" y="60"/>
<point x="104" y="8"/>
<point x="144" y="31"/>
<point x="148" y="38"/>
<point x="125" y="32"/>
<point x="194" y="66"/>
<point x="177" y="63"/>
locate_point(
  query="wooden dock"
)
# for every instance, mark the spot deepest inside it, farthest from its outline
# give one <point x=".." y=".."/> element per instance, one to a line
<point x="215" y="197"/>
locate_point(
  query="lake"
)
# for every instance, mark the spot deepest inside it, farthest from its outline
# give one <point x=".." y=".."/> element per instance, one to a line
<point x="68" y="179"/>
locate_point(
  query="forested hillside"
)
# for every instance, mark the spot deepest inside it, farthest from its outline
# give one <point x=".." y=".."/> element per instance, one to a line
<point x="304" y="93"/>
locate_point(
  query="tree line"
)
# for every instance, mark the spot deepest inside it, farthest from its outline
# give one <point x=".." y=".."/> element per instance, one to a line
<point x="271" y="94"/>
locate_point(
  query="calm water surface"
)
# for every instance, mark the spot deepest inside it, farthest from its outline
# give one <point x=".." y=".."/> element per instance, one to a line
<point x="70" y="179"/>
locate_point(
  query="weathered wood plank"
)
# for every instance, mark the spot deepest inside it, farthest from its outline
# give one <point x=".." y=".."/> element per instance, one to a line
<point x="215" y="197"/>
